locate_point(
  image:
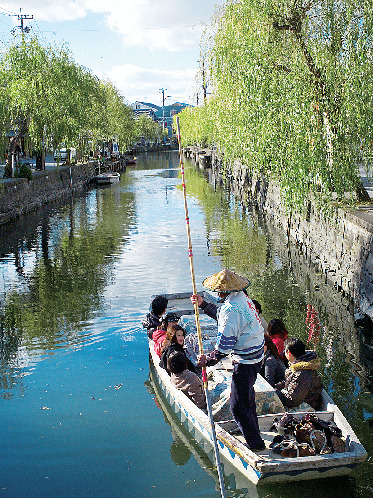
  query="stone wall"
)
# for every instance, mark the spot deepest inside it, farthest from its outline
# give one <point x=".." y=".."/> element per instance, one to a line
<point x="341" y="248"/>
<point x="19" y="195"/>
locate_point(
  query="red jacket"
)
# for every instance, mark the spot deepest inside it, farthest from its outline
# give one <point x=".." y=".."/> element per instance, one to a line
<point x="158" y="337"/>
<point x="279" y="342"/>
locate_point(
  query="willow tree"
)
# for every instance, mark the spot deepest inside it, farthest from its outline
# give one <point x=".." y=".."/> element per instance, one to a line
<point x="47" y="96"/>
<point x="292" y="91"/>
<point x="116" y="118"/>
<point x="148" y="129"/>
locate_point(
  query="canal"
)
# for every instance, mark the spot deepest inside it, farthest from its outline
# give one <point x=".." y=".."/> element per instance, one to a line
<point x="79" y="416"/>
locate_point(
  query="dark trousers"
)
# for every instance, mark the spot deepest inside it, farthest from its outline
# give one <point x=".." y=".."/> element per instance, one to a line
<point x="243" y="402"/>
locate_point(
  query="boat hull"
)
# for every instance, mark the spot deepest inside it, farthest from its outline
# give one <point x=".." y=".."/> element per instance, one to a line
<point x="107" y="178"/>
<point x="197" y="423"/>
<point x="259" y="469"/>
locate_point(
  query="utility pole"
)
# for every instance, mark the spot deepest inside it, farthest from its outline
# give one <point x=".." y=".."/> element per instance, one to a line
<point x="21" y="18"/>
<point x="162" y="90"/>
<point x="204" y="84"/>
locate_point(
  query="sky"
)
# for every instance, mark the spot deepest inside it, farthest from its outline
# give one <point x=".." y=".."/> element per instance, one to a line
<point x="142" y="46"/>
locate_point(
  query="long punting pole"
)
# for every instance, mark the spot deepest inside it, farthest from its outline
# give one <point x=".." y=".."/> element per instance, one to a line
<point x="196" y="313"/>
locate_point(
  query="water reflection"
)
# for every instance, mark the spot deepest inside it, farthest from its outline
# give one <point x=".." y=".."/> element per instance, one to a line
<point x="75" y="281"/>
<point x="284" y="283"/>
<point x="54" y="275"/>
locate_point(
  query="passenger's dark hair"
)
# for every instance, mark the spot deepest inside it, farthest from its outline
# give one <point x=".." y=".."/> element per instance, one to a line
<point x="295" y="346"/>
<point x="177" y="362"/>
<point x="175" y="328"/>
<point x="257" y="306"/>
<point x="169" y="317"/>
<point x="159" y="305"/>
<point x="271" y="346"/>
<point x="277" y="326"/>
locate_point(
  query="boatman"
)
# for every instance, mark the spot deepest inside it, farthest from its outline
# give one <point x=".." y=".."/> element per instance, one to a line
<point x="241" y="335"/>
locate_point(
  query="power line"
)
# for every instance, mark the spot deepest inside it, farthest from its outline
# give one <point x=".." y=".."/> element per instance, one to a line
<point x="7" y="12"/>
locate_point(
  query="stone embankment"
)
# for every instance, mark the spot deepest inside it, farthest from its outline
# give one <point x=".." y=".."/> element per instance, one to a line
<point x="342" y="247"/>
<point x="19" y="195"/>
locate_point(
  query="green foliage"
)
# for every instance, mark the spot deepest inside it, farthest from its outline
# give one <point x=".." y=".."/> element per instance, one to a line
<point x="45" y="95"/>
<point x="148" y="129"/>
<point x="292" y="93"/>
<point x="24" y="172"/>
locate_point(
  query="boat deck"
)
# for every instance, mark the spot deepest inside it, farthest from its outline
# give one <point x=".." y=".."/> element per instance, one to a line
<point x="265" y="424"/>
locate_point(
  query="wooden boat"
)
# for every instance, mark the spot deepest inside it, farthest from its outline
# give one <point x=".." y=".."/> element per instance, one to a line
<point x="107" y="178"/>
<point x="202" y="451"/>
<point x="131" y="162"/>
<point x="265" y="466"/>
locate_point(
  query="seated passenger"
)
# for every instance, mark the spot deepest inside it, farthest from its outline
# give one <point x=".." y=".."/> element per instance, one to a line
<point x="177" y="334"/>
<point x="258" y="308"/>
<point x="302" y="382"/>
<point x="273" y="368"/>
<point x="278" y="333"/>
<point x="185" y="380"/>
<point x="162" y="336"/>
<point x="152" y="320"/>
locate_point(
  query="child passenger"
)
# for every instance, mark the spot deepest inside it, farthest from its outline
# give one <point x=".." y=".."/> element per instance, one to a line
<point x="185" y="380"/>
<point x="152" y="320"/>
<point x="302" y="382"/>
<point x="177" y="334"/>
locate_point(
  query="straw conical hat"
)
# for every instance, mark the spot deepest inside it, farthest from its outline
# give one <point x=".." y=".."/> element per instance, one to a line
<point x="226" y="281"/>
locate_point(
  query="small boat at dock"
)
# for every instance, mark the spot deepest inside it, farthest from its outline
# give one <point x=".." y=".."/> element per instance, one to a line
<point x="131" y="161"/>
<point x="107" y="178"/>
<point x="262" y="467"/>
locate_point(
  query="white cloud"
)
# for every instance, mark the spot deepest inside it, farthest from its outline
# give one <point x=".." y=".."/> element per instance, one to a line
<point x="155" y="24"/>
<point x="152" y="32"/>
<point x="140" y="83"/>
<point x="51" y="11"/>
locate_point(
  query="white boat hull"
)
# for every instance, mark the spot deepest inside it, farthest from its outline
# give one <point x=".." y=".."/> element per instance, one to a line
<point x="107" y="178"/>
<point x="263" y="467"/>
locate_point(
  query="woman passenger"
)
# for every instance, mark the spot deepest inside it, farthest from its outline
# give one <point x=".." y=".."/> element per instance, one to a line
<point x="177" y="335"/>
<point x="273" y="368"/>
<point x="278" y="333"/>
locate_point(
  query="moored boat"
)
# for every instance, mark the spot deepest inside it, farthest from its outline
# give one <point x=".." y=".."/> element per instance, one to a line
<point x="265" y="466"/>
<point x="107" y="178"/>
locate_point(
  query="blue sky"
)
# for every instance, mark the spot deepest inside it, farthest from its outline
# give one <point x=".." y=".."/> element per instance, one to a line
<point x="140" y="45"/>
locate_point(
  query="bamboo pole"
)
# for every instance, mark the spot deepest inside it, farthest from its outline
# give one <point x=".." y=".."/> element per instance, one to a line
<point x="196" y="314"/>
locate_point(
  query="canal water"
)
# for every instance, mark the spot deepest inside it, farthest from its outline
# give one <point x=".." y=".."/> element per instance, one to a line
<point x="78" y="412"/>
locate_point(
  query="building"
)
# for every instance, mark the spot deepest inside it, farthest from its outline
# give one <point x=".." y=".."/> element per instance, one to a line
<point x="166" y="115"/>
<point x="158" y="113"/>
<point x="141" y="108"/>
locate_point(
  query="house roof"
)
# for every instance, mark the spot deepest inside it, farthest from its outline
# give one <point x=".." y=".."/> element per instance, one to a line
<point x="148" y="104"/>
<point x="176" y="107"/>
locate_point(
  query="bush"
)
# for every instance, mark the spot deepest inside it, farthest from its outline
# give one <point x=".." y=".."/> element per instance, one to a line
<point x="24" y="172"/>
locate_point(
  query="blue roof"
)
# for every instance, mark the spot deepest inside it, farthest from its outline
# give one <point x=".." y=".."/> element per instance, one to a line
<point x="154" y="106"/>
<point x="177" y="107"/>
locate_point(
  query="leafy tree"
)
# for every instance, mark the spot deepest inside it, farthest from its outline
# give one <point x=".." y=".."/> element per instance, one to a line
<point x="292" y="93"/>
<point x="148" y="129"/>
<point x="45" y="95"/>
